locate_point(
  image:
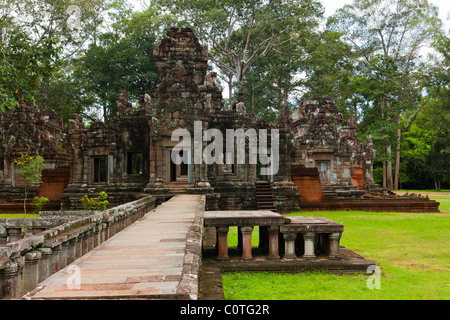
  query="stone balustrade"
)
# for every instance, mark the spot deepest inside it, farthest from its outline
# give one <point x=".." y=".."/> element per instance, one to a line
<point x="279" y="237"/>
<point x="25" y="262"/>
<point x="305" y="237"/>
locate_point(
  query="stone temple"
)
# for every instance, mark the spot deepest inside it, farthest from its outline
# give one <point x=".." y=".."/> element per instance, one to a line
<point x="321" y="162"/>
<point x="312" y="162"/>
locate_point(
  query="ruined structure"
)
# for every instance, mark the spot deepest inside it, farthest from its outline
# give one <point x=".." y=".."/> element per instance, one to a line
<point x="320" y="160"/>
<point x="344" y="164"/>
<point x="133" y="155"/>
<point x="29" y="130"/>
<point x="333" y="169"/>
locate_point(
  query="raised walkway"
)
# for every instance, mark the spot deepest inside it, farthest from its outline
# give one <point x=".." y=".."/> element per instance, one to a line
<point x="156" y="257"/>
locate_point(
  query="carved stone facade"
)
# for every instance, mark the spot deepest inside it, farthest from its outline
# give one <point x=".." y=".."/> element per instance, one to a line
<point x="29" y="130"/>
<point x="132" y="156"/>
<point x="321" y="141"/>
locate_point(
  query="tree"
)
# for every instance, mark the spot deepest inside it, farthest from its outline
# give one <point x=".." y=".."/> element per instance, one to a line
<point x="329" y="69"/>
<point x="35" y="37"/>
<point x="436" y="79"/>
<point x="122" y="58"/>
<point x="31" y="170"/>
<point x="397" y="29"/>
<point x="241" y="32"/>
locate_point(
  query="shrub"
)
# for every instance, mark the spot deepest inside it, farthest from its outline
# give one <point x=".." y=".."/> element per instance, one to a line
<point x="39" y="203"/>
<point x="95" y="204"/>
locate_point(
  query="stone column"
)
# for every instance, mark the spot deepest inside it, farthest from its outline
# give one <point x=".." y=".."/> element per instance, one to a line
<point x="79" y="246"/>
<point x="105" y="231"/>
<point x="44" y="264"/>
<point x="309" y="238"/>
<point x="98" y="235"/>
<point x="273" y="242"/>
<point x="63" y="255"/>
<point x="84" y="241"/>
<point x="222" y="242"/>
<point x="90" y="234"/>
<point x="31" y="271"/>
<point x="14" y="234"/>
<point x="72" y="250"/>
<point x="54" y="259"/>
<point x="289" y="245"/>
<point x="9" y="281"/>
<point x="247" y="242"/>
<point x="335" y="252"/>
<point x="3" y="237"/>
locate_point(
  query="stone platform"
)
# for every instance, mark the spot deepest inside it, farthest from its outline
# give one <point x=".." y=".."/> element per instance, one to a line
<point x="157" y="257"/>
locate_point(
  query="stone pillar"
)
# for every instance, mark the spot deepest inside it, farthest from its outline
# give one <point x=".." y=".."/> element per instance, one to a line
<point x="14" y="234"/>
<point x="247" y="242"/>
<point x="335" y="252"/>
<point x="9" y="281"/>
<point x="273" y="242"/>
<point x="54" y="259"/>
<point x="63" y="255"/>
<point x="3" y="236"/>
<point x="44" y="264"/>
<point x="105" y="232"/>
<point x="98" y="235"/>
<point x="113" y="227"/>
<point x="289" y="245"/>
<point x="72" y="250"/>
<point x="79" y="246"/>
<point x="90" y="234"/>
<point x="309" y="238"/>
<point x="222" y="242"/>
<point x="31" y="271"/>
<point x="84" y="241"/>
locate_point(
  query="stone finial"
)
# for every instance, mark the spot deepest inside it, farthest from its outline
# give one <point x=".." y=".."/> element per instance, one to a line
<point x="212" y="78"/>
<point x="352" y="121"/>
<point x="147" y="99"/>
<point x="240" y="108"/>
<point x="123" y="102"/>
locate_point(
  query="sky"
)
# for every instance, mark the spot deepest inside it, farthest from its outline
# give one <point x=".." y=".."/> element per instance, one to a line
<point x="444" y="8"/>
<point x="332" y="5"/>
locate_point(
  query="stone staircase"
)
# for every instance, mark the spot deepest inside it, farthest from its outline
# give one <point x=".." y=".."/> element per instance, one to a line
<point x="265" y="199"/>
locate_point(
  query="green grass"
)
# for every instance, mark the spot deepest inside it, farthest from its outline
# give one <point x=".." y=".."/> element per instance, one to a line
<point x="444" y="203"/>
<point x="412" y="249"/>
<point x="17" y="215"/>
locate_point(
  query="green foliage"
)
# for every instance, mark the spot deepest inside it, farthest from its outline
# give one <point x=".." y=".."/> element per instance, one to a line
<point x="120" y="59"/>
<point x="39" y="203"/>
<point x="31" y="170"/>
<point x="23" y="66"/>
<point x="30" y="167"/>
<point x="95" y="204"/>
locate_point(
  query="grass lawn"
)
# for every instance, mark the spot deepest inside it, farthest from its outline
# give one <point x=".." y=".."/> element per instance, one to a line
<point x="412" y="249"/>
<point x="17" y="215"/>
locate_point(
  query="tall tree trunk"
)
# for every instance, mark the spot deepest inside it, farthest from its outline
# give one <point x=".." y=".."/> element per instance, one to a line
<point x="230" y="91"/>
<point x="383" y="149"/>
<point x="390" y="182"/>
<point x="397" y="159"/>
<point x="389" y="169"/>
<point x="286" y="90"/>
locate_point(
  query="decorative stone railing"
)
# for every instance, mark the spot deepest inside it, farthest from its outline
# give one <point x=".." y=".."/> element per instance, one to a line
<point x="280" y="237"/>
<point x="24" y="263"/>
